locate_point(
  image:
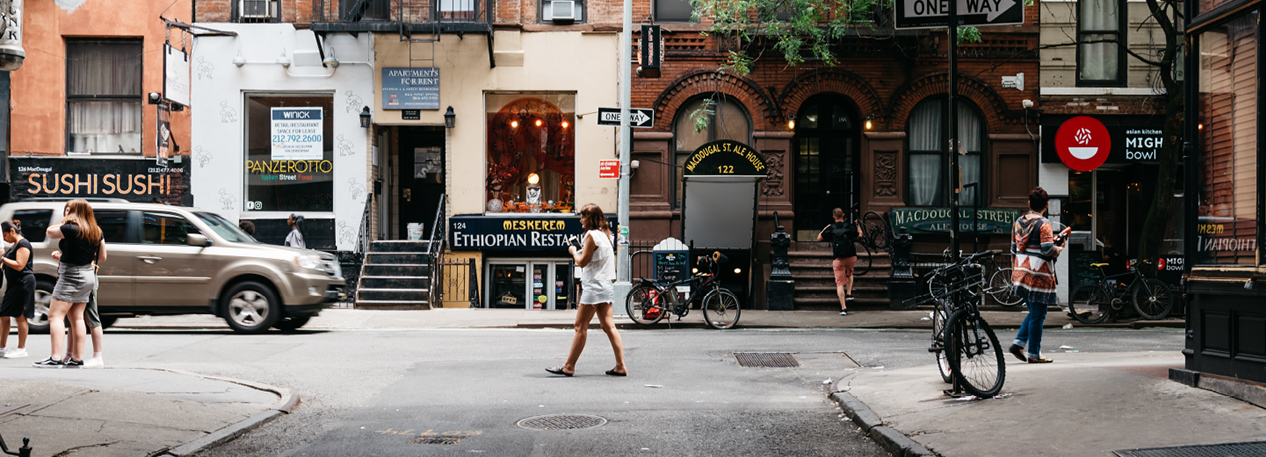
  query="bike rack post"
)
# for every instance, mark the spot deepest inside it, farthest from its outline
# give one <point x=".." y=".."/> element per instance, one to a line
<point x="24" y="451"/>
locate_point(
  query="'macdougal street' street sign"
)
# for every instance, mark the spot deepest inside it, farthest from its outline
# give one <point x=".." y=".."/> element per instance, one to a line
<point x="927" y="14"/>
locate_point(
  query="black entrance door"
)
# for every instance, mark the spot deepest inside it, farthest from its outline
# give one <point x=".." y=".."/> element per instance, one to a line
<point x="421" y="179"/>
<point x="826" y="163"/>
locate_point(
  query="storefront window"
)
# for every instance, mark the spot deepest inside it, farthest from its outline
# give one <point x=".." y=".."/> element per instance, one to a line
<point x="927" y="162"/>
<point x="1226" y="230"/>
<point x="289" y="153"/>
<point x="531" y="153"/>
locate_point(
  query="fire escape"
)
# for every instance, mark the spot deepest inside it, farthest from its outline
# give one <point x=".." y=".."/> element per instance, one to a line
<point x="420" y="23"/>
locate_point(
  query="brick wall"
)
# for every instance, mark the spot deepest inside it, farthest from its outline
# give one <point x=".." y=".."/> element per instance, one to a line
<point x="212" y="10"/>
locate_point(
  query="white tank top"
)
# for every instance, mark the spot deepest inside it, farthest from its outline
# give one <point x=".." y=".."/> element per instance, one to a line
<point x="602" y="265"/>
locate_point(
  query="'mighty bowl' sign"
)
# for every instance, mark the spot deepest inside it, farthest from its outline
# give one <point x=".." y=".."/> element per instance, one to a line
<point x="1083" y="143"/>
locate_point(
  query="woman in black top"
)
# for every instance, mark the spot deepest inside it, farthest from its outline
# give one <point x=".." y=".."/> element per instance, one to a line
<point x="81" y="244"/>
<point x="19" y="297"/>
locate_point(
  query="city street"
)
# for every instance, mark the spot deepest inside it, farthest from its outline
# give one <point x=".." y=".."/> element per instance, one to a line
<point x="374" y="391"/>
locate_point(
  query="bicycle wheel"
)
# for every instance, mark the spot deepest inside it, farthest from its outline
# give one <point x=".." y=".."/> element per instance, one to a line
<point x="863" y="259"/>
<point x="721" y="309"/>
<point x="643" y="305"/>
<point x="1090" y="303"/>
<point x="876" y="229"/>
<point x="940" y="312"/>
<point x="1001" y="288"/>
<point x="938" y="288"/>
<point x="1153" y="299"/>
<point x="974" y="356"/>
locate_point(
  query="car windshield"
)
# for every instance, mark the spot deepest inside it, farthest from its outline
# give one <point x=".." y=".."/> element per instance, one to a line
<point x="225" y="229"/>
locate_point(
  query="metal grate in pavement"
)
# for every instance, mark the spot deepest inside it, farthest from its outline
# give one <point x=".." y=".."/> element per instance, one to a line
<point x="445" y="440"/>
<point x="562" y="422"/>
<point x="766" y="359"/>
<point x="1255" y="448"/>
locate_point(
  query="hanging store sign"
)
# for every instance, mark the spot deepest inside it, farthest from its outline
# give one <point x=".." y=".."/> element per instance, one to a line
<point x="297" y="134"/>
<point x="410" y="88"/>
<point x="175" y="75"/>
<point x="1085" y="143"/>
<point x="163" y="137"/>
<point x="11" y="53"/>
<point x="137" y="180"/>
<point x="725" y="158"/>
<point x="937" y="220"/>
<point x="485" y="233"/>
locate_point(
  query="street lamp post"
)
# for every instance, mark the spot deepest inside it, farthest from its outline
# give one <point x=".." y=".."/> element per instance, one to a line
<point x="623" y="280"/>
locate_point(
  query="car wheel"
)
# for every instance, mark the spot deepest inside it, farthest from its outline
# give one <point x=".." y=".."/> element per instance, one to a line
<point x="251" y="307"/>
<point x="290" y="324"/>
<point x="43" y="295"/>
<point x="108" y="321"/>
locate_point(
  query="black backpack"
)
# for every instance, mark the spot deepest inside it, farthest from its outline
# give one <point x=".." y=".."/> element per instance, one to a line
<point x="842" y="240"/>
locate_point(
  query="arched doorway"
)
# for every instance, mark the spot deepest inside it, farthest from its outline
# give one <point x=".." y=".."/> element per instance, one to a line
<point x="826" y="162"/>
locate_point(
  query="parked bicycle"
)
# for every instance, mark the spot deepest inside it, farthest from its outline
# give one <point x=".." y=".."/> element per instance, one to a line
<point x="649" y="301"/>
<point x="999" y="287"/>
<point x="1095" y="301"/>
<point x="966" y="348"/>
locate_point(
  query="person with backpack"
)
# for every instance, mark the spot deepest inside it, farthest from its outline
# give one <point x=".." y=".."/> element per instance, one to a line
<point x="1034" y="247"/>
<point x="842" y="234"/>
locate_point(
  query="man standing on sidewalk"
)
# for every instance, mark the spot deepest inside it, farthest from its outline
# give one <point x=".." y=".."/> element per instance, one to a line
<point x="841" y="235"/>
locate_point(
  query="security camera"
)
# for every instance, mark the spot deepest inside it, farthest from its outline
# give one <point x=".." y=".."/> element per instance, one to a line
<point x="154" y="98"/>
<point x="1026" y="103"/>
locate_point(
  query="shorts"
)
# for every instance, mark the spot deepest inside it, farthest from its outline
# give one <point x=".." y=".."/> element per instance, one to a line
<point x="90" y="312"/>
<point x="74" y="283"/>
<point x="595" y="292"/>
<point x="843" y="268"/>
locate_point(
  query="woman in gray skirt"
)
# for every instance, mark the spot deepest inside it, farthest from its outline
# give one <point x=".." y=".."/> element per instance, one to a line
<point x="81" y="244"/>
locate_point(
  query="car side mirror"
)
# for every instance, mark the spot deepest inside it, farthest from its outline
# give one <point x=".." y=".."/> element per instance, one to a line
<point x="199" y="240"/>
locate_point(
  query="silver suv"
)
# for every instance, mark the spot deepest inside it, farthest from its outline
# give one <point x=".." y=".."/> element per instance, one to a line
<point x="166" y="260"/>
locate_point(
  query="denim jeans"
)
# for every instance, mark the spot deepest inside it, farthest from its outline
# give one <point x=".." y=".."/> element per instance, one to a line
<point x="1031" y="329"/>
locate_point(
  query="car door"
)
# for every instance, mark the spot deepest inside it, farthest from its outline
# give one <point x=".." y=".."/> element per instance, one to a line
<point x="116" y="273"/>
<point x="169" y="273"/>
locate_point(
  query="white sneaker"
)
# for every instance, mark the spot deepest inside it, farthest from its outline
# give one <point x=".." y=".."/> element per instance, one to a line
<point x="95" y="362"/>
<point x="2" y="351"/>
<point x="15" y="353"/>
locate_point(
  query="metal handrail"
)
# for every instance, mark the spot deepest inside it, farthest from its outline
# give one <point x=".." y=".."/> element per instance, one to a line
<point x="435" y="247"/>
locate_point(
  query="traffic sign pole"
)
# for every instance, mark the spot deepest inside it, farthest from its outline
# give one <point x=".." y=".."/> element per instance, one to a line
<point x="623" y="280"/>
<point x="952" y="126"/>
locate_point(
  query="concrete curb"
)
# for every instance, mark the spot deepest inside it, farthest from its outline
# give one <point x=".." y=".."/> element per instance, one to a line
<point x="286" y="403"/>
<point x="892" y="440"/>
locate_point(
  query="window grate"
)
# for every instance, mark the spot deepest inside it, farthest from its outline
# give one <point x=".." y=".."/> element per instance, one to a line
<point x="1208" y="450"/>
<point x="766" y="360"/>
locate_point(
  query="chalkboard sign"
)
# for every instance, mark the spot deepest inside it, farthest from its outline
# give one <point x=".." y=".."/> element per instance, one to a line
<point x="671" y="265"/>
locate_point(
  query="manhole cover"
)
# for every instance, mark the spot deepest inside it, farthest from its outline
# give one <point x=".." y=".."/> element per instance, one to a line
<point x="562" y="422"/>
<point x="438" y="439"/>
<point x="1209" y="450"/>
<point x="766" y="359"/>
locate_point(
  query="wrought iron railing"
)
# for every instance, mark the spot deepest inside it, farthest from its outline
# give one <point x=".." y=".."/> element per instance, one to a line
<point x="436" y="246"/>
<point x="352" y="261"/>
<point x="402" y="11"/>
<point x="458" y="282"/>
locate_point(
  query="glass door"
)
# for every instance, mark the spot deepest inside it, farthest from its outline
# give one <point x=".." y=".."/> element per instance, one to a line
<point x="530" y="284"/>
<point x="507" y="286"/>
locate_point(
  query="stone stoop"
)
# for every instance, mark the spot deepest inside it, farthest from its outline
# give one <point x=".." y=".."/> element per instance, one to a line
<point x="810" y="263"/>
<point x="395" y="275"/>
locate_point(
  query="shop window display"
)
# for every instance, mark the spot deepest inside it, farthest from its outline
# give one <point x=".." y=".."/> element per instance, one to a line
<point x="289" y="153"/>
<point x="1226" y="231"/>
<point x="531" y="153"/>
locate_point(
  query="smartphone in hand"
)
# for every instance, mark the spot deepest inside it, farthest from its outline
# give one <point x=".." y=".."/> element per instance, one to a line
<point x="1063" y="236"/>
<point x="574" y="241"/>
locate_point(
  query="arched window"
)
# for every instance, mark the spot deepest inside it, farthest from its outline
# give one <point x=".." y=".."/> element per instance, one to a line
<point x="726" y="120"/>
<point x="928" y="164"/>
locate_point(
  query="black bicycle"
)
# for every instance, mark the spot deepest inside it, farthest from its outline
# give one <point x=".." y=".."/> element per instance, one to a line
<point x="649" y="301"/>
<point x="875" y="238"/>
<point x="1095" y="301"/>
<point x="966" y="348"/>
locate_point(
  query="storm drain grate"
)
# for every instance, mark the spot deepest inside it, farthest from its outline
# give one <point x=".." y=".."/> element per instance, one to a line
<point x="766" y="359"/>
<point x="446" y="440"/>
<point x="562" y="422"/>
<point x="1208" y="450"/>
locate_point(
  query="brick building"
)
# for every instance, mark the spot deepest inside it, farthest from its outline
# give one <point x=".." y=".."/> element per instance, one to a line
<point x="864" y="133"/>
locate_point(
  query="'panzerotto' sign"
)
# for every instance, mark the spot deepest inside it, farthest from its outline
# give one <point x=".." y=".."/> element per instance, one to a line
<point x="725" y="158"/>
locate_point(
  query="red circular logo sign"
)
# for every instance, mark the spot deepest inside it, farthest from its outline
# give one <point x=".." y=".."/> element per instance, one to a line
<point x="1083" y="143"/>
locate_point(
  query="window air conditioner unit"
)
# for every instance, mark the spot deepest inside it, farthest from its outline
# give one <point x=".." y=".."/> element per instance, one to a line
<point x="256" y="8"/>
<point x="562" y="11"/>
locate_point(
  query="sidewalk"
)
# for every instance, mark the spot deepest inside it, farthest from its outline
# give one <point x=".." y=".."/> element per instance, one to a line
<point x="1083" y="404"/>
<point x="350" y="319"/>
<point x="127" y="412"/>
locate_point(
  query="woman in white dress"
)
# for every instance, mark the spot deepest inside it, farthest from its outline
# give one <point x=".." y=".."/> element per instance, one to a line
<point x="597" y="260"/>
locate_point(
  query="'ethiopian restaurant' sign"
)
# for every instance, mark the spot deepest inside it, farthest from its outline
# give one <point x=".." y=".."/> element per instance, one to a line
<point x="138" y="180"/>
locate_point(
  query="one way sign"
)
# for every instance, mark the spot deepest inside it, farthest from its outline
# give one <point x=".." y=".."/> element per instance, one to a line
<point x="638" y="117"/>
<point x="927" y="14"/>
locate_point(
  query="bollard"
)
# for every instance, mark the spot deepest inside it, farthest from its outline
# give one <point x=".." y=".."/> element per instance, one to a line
<point x="780" y="289"/>
<point x="24" y="451"/>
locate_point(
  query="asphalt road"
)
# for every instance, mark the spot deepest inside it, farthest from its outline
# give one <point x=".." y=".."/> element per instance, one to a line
<point x="373" y="392"/>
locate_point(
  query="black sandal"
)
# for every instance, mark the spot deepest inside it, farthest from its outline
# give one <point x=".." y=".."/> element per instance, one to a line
<point x="1040" y="360"/>
<point x="559" y="370"/>
<point x="1018" y="352"/>
<point x="616" y="373"/>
